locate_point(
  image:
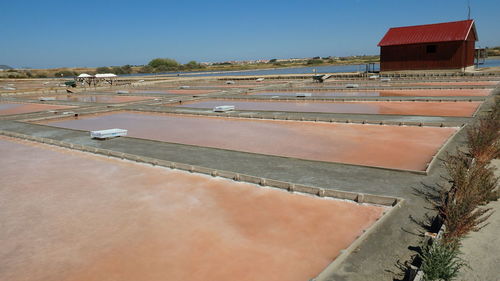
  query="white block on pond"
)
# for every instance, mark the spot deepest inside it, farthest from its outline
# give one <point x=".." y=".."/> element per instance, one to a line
<point x="303" y="95"/>
<point x="109" y="133"/>
<point x="224" y="108"/>
<point x="352" y="86"/>
<point x="46" y="98"/>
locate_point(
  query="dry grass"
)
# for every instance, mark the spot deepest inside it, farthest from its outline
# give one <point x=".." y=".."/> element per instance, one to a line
<point x="484" y="139"/>
<point x="461" y="207"/>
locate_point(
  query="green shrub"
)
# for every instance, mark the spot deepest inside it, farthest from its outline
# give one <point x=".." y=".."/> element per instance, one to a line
<point x="441" y="261"/>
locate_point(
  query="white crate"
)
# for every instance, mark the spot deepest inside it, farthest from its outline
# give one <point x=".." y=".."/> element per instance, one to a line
<point x="303" y="95"/>
<point x="352" y="86"/>
<point x="46" y="98"/>
<point x="223" y="108"/>
<point x="106" y="134"/>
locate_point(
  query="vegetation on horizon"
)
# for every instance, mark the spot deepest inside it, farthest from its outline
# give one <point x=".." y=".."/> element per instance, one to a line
<point x="160" y="65"/>
<point x="493" y="52"/>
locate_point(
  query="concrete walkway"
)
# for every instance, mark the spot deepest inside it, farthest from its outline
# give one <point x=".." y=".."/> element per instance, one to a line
<point x="482" y="249"/>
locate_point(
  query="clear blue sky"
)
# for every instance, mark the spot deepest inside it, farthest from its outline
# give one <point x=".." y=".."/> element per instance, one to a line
<point x="43" y="34"/>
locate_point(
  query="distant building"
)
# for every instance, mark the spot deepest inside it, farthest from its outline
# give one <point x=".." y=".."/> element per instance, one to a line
<point x="448" y="45"/>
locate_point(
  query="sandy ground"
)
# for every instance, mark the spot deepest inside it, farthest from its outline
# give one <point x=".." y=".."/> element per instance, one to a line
<point x="398" y="147"/>
<point x="68" y="215"/>
<point x="482" y="249"/>
<point x="452" y="109"/>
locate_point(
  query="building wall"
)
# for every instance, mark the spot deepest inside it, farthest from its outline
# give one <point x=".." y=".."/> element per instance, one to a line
<point x="447" y="55"/>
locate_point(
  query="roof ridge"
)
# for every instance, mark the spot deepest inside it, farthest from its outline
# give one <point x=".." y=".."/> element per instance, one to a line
<point x="428" y="33"/>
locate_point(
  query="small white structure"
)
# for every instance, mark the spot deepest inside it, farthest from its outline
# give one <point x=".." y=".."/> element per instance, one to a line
<point x="352" y="86"/>
<point x="385" y="80"/>
<point x="303" y="95"/>
<point x="46" y="98"/>
<point x="372" y="77"/>
<point x="259" y="79"/>
<point x="105" y="75"/>
<point x="84" y="75"/>
<point x="9" y="88"/>
<point x="106" y="134"/>
<point x="184" y="87"/>
<point x="223" y="108"/>
<point x="122" y="92"/>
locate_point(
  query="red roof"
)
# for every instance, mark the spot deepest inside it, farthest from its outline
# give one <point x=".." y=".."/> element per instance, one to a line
<point x="429" y="33"/>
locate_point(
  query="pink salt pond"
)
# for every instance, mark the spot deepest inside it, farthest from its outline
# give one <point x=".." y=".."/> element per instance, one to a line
<point x="387" y="93"/>
<point x="68" y="215"/>
<point x="455" y="83"/>
<point x="18" y="108"/>
<point x="101" y="98"/>
<point x="395" y="147"/>
<point x="451" y="109"/>
<point x="176" y="92"/>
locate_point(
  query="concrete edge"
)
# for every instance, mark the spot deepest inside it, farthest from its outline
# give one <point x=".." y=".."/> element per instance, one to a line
<point x="443" y="147"/>
<point x="310" y="190"/>
<point x="335" y="264"/>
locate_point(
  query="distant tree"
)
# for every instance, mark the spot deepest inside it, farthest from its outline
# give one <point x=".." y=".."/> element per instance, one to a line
<point x="163" y="64"/>
<point x="272" y="60"/>
<point x="316" y="58"/>
<point x="103" y="69"/>
<point x="65" y="73"/>
<point x="192" y="65"/>
<point x="127" y="68"/>
<point x="222" y="63"/>
<point x="315" y="61"/>
<point x="146" y="69"/>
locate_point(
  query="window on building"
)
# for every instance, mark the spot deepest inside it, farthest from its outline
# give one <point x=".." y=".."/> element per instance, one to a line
<point x="431" y="49"/>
